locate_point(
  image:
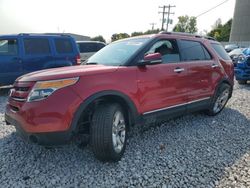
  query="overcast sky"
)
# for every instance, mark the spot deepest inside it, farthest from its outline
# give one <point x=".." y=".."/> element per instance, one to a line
<point x="102" y="17"/>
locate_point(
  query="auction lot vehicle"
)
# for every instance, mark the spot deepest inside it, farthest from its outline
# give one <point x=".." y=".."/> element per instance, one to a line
<point x="24" y="53"/>
<point x="242" y="69"/>
<point x="136" y="80"/>
<point x="89" y="48"/>
<point x="231" y="47"/>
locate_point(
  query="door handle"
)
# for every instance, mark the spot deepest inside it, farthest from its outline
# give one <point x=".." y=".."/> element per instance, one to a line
<point x="214" y="66"/>
<point x="179" y="70"/>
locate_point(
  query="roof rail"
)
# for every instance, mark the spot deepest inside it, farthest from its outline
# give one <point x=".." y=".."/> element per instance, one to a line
<point x="56" y="34"/>
<point x="187" y="34"/>
<point x="209" y="38"/>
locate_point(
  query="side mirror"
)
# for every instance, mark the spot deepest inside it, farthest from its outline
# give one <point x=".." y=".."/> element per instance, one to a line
<point x="151" y="59"/>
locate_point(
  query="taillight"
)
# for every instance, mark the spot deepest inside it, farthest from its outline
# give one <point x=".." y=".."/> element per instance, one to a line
<point x="78" y="59"/>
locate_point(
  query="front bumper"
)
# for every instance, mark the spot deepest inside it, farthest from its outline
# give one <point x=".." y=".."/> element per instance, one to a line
<point x="242" y="74"/>
<point x="45" y="138"/>
<point x="45" y="122"/>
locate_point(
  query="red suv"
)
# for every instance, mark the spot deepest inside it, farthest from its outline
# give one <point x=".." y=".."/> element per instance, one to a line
<point x="142" y="79"/>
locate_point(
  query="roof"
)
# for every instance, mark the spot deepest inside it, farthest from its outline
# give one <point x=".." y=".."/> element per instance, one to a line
<point x="33" y="34"/>
<point x="187" y="35"/>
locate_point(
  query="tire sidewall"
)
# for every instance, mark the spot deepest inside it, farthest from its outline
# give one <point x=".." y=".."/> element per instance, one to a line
<point x="220" y="90"/>
<point x="116" y="155"/>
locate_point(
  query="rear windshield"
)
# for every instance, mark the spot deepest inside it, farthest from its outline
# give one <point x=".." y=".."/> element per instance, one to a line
<point x="63" y="46"/>
<point x="86" y="47"/>
<point x="220" y="51"/>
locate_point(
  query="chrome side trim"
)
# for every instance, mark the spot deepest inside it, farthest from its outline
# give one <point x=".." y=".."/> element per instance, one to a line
<point x="161" y="109"/>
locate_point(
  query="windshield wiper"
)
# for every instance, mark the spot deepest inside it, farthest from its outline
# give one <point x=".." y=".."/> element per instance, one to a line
<point x="91" y="63"/>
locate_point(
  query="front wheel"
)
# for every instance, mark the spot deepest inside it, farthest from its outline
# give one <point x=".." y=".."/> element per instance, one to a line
<point x="108" y="132"/>
<point x="220" y="100"/>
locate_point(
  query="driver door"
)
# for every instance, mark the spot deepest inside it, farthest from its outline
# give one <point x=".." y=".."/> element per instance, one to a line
<point x="163" y="86"/>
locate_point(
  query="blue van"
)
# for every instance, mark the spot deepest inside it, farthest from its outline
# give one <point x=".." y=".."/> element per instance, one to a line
<point x="24" y="53"/>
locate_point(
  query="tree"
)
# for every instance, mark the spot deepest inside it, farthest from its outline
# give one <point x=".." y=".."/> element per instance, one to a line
<point x="221" y="32"/>
<point x="186" y="24"/>
<point x="154" y="31"/>
<point x="136" y="34"/>
<point x="98" y="38"/>
<point x="217" y="24"/>
<point x="118" y="36"/>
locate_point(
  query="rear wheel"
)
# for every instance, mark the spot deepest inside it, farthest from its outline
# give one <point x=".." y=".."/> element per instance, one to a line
<point x="108" y="132"/>
<point x="220" y="100"/>
<point x="242" y="82"/>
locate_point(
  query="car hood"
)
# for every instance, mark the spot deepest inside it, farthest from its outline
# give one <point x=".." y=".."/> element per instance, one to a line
<point x="66" y="72"/>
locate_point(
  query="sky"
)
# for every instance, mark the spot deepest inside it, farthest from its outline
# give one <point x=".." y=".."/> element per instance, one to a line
<point x="103" y="17"/>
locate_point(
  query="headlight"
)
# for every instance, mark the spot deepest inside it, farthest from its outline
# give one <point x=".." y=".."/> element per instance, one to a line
<point x="43" y="89"/>
<point x="241" y="58"/>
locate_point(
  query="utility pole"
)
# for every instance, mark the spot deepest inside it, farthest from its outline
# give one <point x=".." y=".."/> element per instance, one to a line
<point x="163" y="16"/>
<point x="153" y="25"/>
<point x="168" y="12"/>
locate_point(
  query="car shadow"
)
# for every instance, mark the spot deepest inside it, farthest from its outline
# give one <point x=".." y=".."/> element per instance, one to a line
<point x="194" y="148"/>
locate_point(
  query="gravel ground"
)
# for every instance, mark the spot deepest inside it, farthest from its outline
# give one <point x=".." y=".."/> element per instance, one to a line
<point x="191" y="151"/>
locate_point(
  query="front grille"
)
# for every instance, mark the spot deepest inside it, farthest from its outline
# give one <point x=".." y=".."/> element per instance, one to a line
<point x="23" y="89"/>
<point x="20" y="91"/>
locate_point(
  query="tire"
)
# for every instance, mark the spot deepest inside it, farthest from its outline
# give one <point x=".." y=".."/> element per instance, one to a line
<point x="242" y="82"/>
<point x="219" y="100"/>
<point x="108" y="132"/>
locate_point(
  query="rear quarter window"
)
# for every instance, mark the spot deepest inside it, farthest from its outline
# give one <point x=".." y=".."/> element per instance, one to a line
<point x="220" y="51"/>
<point x="63" y="46"/>
<point x="36" y="46"/>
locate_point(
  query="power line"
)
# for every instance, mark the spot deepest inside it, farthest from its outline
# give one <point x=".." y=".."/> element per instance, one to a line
<point x="212" y="8"/>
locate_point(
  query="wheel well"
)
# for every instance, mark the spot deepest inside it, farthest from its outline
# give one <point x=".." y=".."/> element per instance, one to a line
<point x="84" y="122"/>
<point x="228" y="83"/>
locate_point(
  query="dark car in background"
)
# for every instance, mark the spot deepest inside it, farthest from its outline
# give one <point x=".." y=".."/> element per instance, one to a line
<point x="242" y="69"/>
<point x="231" y="47"/>
<point x="89" y="48"/>
<point x="24" y="53"/>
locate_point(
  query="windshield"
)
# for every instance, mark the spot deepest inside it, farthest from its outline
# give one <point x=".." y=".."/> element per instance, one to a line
<point x="117" y="53"/>
<point x="246" y="52"/>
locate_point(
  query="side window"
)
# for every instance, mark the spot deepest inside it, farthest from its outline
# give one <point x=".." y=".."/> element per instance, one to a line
<point x="168" y="49"/>
<point x="220" y="51"/>
<point x="193" y="51"/>
<point x="63" y="46"/>
<point x="36" y="46"/>
<point x="8" y="47"/>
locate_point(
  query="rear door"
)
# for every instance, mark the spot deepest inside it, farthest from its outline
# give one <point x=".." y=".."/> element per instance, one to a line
<point x="200" y="69"/>
<point x="37" y="53"/>
<point x="163" y="86"/>
<point x="10" y="62"/>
